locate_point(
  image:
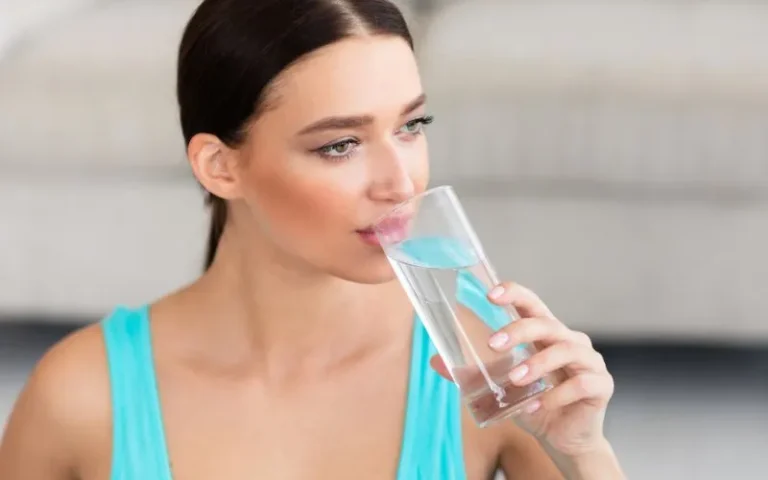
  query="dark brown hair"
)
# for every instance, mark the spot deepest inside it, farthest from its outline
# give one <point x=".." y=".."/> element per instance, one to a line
<point x="232" y="50"/>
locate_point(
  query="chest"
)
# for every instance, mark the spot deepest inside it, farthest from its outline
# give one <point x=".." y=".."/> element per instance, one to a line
<point x="278" y="447"/>
<point x="350" y="427"/>
<point x="359" y="423"/>
<point x="345" y="423"/>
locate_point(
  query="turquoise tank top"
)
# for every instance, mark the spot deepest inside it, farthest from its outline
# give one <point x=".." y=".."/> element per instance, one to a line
<point x="432" y="439"/>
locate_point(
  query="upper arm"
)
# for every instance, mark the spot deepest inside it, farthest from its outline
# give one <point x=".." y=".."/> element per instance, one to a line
<point x="62" y="403"/>
<point x="522" y="457"/>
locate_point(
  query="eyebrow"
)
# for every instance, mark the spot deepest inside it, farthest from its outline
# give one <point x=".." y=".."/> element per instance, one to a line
<point x="357" y="121"/>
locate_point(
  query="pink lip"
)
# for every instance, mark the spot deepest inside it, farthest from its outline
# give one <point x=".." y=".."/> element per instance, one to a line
<point x="369" y="236"/>
<point x="391" y="230"/>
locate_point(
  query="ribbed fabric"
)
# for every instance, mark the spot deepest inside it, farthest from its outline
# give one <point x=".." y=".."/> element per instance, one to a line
<point x="138" y="440"/>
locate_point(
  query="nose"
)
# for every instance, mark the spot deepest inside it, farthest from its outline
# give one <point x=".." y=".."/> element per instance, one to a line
<point x="391" y="177"/>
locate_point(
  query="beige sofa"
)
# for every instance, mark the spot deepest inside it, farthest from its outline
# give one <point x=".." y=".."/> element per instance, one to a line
<point x="612" y="156"/>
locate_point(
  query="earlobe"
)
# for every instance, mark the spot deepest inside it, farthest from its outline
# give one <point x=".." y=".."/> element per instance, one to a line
<point x="212" y="163"/>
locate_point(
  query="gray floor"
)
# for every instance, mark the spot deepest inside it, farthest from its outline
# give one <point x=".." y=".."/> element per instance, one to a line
<point x="679" y="413"/>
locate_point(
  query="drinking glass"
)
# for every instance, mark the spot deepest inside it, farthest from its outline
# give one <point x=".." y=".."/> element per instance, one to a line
<point x="440" y="263"/>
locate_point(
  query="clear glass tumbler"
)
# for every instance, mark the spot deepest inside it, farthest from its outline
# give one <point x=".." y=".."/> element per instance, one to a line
<point x="441" y="265"/>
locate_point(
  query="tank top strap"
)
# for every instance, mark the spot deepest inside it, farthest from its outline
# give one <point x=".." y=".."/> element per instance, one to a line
<point x="432" y="439"/>
<point x="138" y="440"/>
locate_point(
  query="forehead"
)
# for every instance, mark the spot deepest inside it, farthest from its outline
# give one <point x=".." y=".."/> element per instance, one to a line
<point x="354" y="76"/>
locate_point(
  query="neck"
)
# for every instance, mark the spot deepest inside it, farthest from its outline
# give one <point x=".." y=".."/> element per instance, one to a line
<point x="269" y="312"/>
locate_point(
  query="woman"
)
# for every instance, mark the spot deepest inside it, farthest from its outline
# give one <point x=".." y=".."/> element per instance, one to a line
<point x="291" y="357"/>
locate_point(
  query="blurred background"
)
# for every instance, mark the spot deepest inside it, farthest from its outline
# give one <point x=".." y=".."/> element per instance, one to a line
<point x="613" y="156"/>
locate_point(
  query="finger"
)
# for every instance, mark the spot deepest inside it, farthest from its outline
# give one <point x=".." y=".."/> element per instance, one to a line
<point x="527" y="303"/>
<point x="438" y="365"/>
<point x="574" y="357"/>
<point x="544" y="330"/>
<point x="595" y="387"/>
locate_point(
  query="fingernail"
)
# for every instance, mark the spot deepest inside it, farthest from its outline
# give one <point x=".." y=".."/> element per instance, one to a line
<point x="533" y="407"/>
<point x="499" y="340"/>
<point x="518" y="373"/>
<point x="497" y="291"/>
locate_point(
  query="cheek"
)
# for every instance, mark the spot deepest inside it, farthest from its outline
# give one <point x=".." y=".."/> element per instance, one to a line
<point x="302" y="203"/>
<point x="419" y="167"/>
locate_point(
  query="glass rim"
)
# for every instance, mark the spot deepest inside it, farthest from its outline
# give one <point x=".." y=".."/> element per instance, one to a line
<point x="426" y="193"/>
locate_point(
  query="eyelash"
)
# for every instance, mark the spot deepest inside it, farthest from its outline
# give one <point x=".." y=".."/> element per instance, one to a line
<point x="325" y="150"/>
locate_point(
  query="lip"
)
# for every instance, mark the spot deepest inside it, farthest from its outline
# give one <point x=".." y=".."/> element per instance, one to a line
<point x="369" y="236"/>
<point x="390" y="230"/>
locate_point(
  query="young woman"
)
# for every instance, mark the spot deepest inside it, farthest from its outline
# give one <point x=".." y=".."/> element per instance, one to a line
<point x="296" y="354"/>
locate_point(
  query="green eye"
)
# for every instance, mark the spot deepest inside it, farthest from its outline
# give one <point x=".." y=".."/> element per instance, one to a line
<point x="413" y="127"/>
<point x="341" y="148"/>
<point x="416" y="126"/>
<point x="338" y="151"/>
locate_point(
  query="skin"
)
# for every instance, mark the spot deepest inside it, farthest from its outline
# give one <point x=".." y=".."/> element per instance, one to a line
<point x="291" y="278"/>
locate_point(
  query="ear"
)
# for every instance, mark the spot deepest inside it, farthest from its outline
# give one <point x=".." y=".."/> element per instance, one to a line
<point x="214" y="164"/>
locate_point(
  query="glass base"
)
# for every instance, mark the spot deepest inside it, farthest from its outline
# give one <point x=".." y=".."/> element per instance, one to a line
<point x="488" y="407"/>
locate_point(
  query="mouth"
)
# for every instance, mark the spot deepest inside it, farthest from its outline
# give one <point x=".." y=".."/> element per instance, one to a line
<point x="368" y="235"/>
<point x="390" y="230"/>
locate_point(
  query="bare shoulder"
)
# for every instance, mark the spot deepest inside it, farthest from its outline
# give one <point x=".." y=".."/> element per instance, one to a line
<point x="63" y="411"/>
<point x="71" y="380"/>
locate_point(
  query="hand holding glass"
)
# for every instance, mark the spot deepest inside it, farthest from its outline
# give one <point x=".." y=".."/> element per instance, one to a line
<point x="441" y="265"/>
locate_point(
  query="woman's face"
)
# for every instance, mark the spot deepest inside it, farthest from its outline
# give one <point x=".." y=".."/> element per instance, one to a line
<point x="342" y="145"/>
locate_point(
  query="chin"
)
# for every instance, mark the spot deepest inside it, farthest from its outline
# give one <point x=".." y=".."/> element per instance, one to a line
<point x="372" y="271"/>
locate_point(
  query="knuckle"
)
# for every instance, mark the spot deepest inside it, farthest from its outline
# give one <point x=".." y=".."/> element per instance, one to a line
<point x="605" y="387"/>
<point x="520" y="291"/>
<point x="582" y="338"/>
<point x="510" y="289"/>
<point x="542" y="359"/>
<point x="552" y="323"/>
<point x="543" y="324"/>
<point x="600" y="359"/>
<point x="555" y="325"/>
<point x="510" y="285"/>
<point x="526" y="322"/>
<point x="583" y="385"/>
<point x="567" y="350"/>
<point x="522" y="326"/>
<point x="563" y="329"/>
<point x="551" y="358"/>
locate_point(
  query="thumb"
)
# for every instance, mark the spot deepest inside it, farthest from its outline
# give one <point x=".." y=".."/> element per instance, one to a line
<point x="438" y="366"/>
